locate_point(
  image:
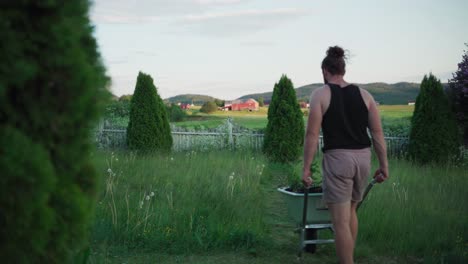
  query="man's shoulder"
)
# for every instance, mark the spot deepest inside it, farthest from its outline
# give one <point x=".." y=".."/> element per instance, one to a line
<point x="321" y="90"/>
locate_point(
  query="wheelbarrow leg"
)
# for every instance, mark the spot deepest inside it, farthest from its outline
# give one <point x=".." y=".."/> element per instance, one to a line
<point x="311" y="234"/>
<point x="303" y="234"/>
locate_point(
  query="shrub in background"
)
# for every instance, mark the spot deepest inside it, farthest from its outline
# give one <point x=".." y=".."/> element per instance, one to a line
<point x="52" y="86"/>
<point x="284" y="134"/>
<point x="148" y="128"/>
<point x="219" y="102"/>
<point x="117" y="109"/>
<point x="209" y="107"/>
<point x="458" y="90"/>
<point x="434" y="134"/>
<point x="261" y="102"/>
<point x="176" y="114"/>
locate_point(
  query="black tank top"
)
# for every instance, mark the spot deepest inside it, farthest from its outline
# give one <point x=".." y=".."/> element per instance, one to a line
<point x="344" y="125"/>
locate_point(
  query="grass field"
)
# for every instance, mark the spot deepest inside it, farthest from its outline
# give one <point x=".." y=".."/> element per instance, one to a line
<point x="222" y="207"/>
<point x="391" y="115"/>
<point x="258" y="120"/>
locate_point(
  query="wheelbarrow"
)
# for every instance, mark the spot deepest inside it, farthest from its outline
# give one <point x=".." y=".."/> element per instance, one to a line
<point x="314" y="218"/>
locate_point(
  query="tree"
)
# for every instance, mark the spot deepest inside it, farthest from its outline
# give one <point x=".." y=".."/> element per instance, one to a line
<point x="434" y="135"/>
<point x="209" y="107"/>
<point x="458" y="91"/>
<point x="284" y="135"/>
<point x="125" y="98"/>
<point x="148" y="128"/>
<point x="219" y="103"/>
<point x="52" y="89"/>
<point x="261" y="102"/>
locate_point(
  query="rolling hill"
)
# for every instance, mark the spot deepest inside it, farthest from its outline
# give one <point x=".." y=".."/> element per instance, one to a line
<point x="384" y="93"/>
<point x="390" y="94"/>
<point x="190" y="98"/>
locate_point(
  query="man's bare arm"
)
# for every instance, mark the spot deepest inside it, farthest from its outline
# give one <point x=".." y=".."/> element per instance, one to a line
<point x="312" y="134"/>
<point x="378" y="140"/>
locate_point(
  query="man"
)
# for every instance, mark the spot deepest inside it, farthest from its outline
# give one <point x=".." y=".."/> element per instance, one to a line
<point x="344" y="112"/>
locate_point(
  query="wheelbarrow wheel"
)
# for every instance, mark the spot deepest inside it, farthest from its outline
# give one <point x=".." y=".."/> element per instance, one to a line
<point x="311" y="234"/>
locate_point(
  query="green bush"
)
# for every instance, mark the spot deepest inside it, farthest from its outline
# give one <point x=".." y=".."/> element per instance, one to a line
<point x="176" y="114"/>
<point x="209" y="107"/>
<point x="284" y="134"/>
<point x="51" y="91"/>
<point x="148" y="129"/>
<point x="117" y="109"/>
<point x="434" y="134"/>
<point x="261" y="102"/>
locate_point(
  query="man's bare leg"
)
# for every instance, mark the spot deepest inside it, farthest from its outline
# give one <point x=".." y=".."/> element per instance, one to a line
<point x="353" y="224"/>
<point x="344" y="241"/>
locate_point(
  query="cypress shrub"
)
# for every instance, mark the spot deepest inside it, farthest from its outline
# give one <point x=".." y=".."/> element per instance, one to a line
<point x="284" y="134"/>
<point x="434" y="135"/>
<point x="148" y="128"/>
<point x="458" y="87"/>
<point x="52" y="86"/>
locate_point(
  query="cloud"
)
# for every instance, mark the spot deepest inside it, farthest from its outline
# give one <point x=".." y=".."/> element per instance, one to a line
<point x="255" y="14"/>
<point x="149" y="11"/>
<point x="146" y="53"/>
<point x="117" y="61"/>
<point x="218" y="2"/>
<point x="117" y="18"/>
<point x="259" y="43"/>
<point x="239" y="22"/>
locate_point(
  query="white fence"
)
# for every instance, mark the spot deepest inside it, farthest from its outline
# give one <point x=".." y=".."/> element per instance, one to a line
<point x="187" y="141"/>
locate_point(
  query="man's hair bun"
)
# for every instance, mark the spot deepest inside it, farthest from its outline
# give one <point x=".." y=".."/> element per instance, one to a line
<point x="336" y="52"/>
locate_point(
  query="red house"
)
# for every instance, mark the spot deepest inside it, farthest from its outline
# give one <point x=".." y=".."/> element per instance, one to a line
<point x="304" y="104"/>
<point x="185" y="106"/>
<point x="239" y="105"/>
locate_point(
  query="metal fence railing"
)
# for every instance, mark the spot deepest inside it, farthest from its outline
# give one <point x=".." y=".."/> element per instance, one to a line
<point x="186" y="141"/>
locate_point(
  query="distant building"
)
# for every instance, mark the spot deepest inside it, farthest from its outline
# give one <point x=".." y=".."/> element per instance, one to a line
<point x="185" y="106"/>
<point x="411" y="102"/>
<point x="239" y="105"/>
<point x="304" y="104"/>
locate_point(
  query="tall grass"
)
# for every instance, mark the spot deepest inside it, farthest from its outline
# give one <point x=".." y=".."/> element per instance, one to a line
<point x="419" y="211"/>
<point x="185" y="202"/>
<point x="195" y="202"/>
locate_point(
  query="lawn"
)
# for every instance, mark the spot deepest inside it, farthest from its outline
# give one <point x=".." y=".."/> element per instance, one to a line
<point x="394" y="117"/>
<point x="222" y="207"/>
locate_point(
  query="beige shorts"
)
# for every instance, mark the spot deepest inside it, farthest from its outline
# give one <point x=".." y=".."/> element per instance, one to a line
<point x="345" y="174"/>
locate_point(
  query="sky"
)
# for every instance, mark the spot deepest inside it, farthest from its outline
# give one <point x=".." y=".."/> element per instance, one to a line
<point x="230" y="48"/>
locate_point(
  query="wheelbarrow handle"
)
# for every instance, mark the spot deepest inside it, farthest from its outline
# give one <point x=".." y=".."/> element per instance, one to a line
<point x="368" y="188"/>
<point x="304" y="211"/>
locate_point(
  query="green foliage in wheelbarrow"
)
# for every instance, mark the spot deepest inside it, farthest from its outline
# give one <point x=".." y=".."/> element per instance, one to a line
<point x="295" y="176"/>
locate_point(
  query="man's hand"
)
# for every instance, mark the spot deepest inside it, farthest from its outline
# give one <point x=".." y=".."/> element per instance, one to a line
<point x="306" y="179"/>
<point x="381" y="174"/>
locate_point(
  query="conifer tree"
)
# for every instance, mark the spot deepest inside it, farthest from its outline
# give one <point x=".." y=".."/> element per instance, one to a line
<point x="284" y="134"/>
<point x="434" y="135"/>
<point x="148" y="129"/>
<point x="458" y="87"/>
<point x="52" y="86"/>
